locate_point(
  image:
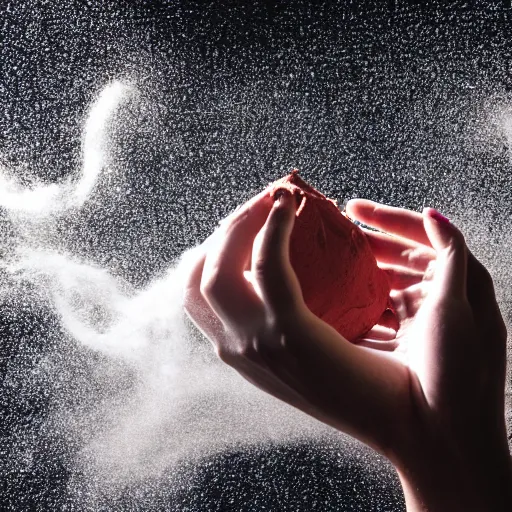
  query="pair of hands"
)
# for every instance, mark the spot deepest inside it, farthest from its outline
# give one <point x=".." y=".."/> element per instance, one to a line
<point x="433" y="390"/>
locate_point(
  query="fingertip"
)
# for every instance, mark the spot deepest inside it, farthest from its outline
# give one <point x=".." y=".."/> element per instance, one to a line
<point x="283" y="197"/>
<point x="349" y="206"/>
<point x="272" y="274"/>
<point x="450" y="246"/>
<point x="440" y="229"/>
<point x="355" y="201"/>
<point x="285" y="206"/>
<point x="432" y="213"/>
<point x="360" y="208"/>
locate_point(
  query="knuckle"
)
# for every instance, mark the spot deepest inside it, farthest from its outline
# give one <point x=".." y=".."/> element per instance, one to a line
<point x="260" y="265"/>
<point x="284" y="315"/>
<point x="376" y="210"/>
<point x="210" y="285"/>
<point x="223" y="354"/>
<point x="458" y="240"/>
<point x="268" y="270"/>
<point x="248" y="350"/>
<point x="227" y="354"/>
<point x="414" y="255"/>
<point x="263" y="268"/>
<point x="487" y="277"/>
<point x="483" y="274"/>
<point x="503" y="331"/>
<point x="242" y="350"/>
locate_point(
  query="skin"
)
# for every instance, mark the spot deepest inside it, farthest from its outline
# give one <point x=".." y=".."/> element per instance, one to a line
<point x="428" y="396"/>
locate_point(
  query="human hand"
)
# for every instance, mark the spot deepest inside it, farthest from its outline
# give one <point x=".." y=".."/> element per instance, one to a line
<point x="454" y="300"/>
<point x="398" y="392"/>
<point x="244" y="296"/>
<point x="452" y="338"/>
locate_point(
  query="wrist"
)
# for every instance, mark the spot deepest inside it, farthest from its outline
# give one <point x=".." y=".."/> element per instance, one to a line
<point x="449" y="488"/>
<point x="438" y="478"/>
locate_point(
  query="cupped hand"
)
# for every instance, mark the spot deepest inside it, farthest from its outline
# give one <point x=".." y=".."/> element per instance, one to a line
<point x="443" y="370"/>
<point x="452" y="336"/>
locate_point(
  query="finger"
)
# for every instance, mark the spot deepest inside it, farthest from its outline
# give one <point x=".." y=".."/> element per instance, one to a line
<point x="397" y="221"/>
<point x="482" y="297"/>
<point x="196" y="307"/>
<point x="451" y="261"/>
<point x="272" y="271"/>
<point x="241" y="210"/>
<point x="389" y="320"/>
<point x="381" y="333"/>
<point x="231" y="297"/>
<point x="410" y="225"/>
<point x="407" y="302"/>
<point x="251" y="216"/>
<point x="401" y="278"/>
<point x="385" y="346"/>
<point x="398" y="251"/>
<point x="488" y="319"/>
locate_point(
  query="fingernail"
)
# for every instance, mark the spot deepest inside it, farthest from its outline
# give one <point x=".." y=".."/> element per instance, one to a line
<point x="438" y="216"/>
<point x="280" y="194"/>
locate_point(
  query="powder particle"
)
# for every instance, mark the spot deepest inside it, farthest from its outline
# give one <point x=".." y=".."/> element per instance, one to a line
<point x="341" y="282"/>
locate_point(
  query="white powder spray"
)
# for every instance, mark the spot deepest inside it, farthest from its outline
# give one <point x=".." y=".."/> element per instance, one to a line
<point x="182" y="402"/>
<point x="109" y="392"/>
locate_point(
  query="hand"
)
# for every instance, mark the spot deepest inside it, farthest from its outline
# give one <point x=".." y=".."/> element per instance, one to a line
<point x="406" y="394"/>
<point x="453" y="339"/>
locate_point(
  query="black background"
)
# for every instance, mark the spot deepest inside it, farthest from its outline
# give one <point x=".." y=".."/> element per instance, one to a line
<point x="384" y="100"/>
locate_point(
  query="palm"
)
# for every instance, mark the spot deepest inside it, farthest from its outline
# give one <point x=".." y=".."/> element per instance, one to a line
<point x="394" y="334"/>
<point x="424" y="321"/>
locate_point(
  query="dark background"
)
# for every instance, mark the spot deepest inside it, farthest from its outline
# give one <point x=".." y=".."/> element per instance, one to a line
<point x="390" y="101"/>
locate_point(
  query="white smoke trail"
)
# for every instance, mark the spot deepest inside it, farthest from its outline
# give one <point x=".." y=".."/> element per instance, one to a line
<point x="185" y="403"/>
<point x="41" y="200"/>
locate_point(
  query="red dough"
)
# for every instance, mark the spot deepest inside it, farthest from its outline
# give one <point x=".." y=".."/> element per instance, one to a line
<point x="341" y="282"/>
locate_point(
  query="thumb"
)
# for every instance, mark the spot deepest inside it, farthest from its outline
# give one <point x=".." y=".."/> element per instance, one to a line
<point x="273" y="276"/>
<point x="452" y="258"/>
